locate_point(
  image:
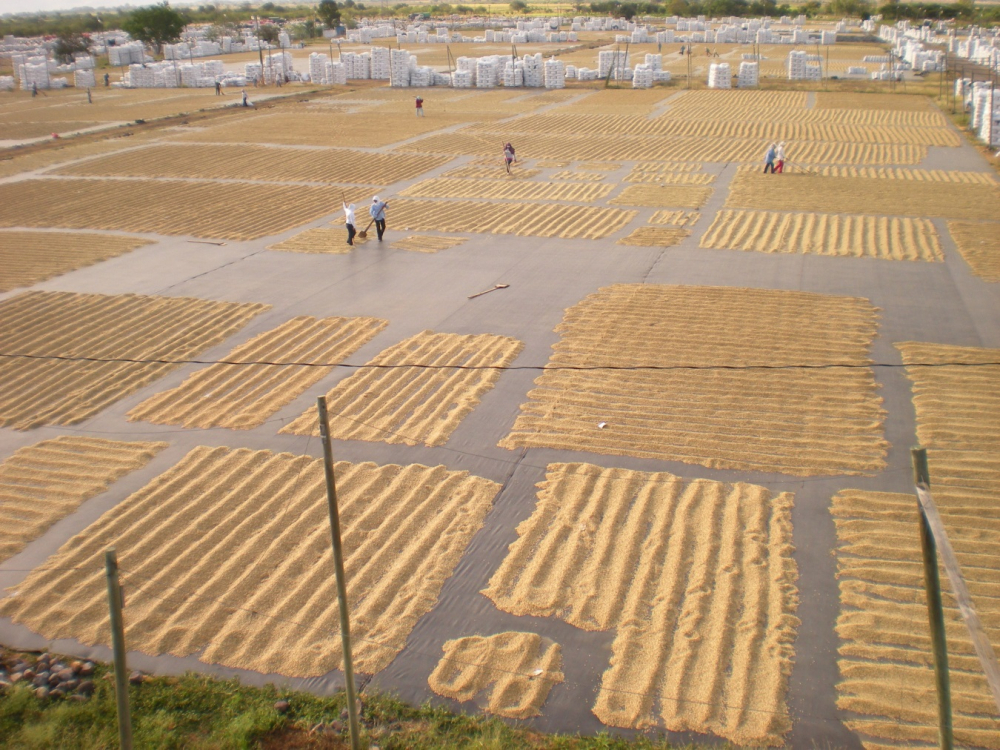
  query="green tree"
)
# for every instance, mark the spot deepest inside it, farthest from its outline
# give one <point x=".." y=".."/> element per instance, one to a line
<point x="268" y="32"/>
<point x="329" y="12"/>
<point x="966" y="8"/>
<point x="155" y="25"/>
<point x="67" y="44"/>
<point x="849" y="8"/>
<point x="519" y="6"/>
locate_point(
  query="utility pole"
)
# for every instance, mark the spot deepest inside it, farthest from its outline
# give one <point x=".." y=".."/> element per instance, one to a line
<point x="260" y="49"/>
<point x="338" y="564"/>
<point x="115" y="604"/>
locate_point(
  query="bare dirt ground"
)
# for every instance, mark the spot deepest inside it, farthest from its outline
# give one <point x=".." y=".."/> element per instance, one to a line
<point x="623" y="416"/>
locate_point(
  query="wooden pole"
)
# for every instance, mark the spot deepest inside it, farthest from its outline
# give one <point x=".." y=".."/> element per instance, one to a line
<point x="338" y="564"/>
<point x="980" y="640"/>
<point x="935" y="610"/>
<point x="118" y="647"/>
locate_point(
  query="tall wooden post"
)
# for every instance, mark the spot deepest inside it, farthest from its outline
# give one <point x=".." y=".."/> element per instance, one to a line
<point x="338" y="564"/>
<point x="118" y="647"/>
<point x="935" y="609"/>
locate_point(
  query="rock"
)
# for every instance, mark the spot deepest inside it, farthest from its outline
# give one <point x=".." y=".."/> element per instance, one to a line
<point x="57" y="667"/>
<point x="54" y="679"/>
<point x="76" y="666"/>
<point x="282" y="707"/>
<point x="28" y="674"/>
<point x="77" y="697"/>
<point x="136" y="678"/>
<point x="41" y="679"/>
<point x="337" y="726"/>
<point x="42" y="693"/>
<point x="16" y="677"/>
<point x="87" y="669"/>
<point x="56" y="693"/>
<point x="65" y="674"/>
<point x="86" y="687"/>
<point x="69" y="685"/>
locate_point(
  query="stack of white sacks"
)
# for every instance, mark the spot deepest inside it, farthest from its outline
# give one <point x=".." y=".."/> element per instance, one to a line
<point x="278" y="65"/>
<point x="555" y="74"/>
<point x="317" y="67"/>
<point x="188" y="52"/>
<point x="487" y="72"/>
<point x="127" y="54"/>
<point x="399" y="67"/>
<point x="461" y="79"/>
<point x="801" y="67"/>
<point x="513" y="74"/>
<point x="642" y="77"/>
<point x="381" y="63"/>
<point x="466" y="65"/>
<point x="655" y="62"/>
<point x="749" y="75"/>
<point x="534" y="76"/>
<point x="720" y="76"/>
<point x="614" y="62"/>
<point x="422" y="75"/>
<point x="252" y="71"/>
<point x="203" y="74"/>
<point x="986" y="112"/>
<point x="152" y="76"/>
<point x="169" y="74"/>
<point x="358" y="66"/>
<point x="34" y="72"/>
<point x="605" y="61"/>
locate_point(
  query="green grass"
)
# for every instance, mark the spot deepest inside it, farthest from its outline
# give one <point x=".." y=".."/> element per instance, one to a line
<point x="195" y="711"/>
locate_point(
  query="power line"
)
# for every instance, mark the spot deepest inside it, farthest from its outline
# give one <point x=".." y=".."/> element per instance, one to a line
<point x="520" y="462"/>
<point x="501" y="368"/>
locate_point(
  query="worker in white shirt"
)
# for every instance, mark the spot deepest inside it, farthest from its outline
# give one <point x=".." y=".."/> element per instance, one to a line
<point x="349" y="216"/>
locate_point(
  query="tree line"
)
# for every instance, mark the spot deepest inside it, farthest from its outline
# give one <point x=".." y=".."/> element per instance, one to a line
<point x="156" y="22"/>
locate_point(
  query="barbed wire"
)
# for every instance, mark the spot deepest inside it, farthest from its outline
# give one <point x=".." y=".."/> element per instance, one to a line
<point x="187" y="430"/>
<point x="39" y="570"/>
<point x="519" y="462"/>
<point x="500" y="368"/>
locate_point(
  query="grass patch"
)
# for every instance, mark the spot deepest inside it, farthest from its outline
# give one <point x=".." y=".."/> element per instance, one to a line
<point x="195" y="711"/>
